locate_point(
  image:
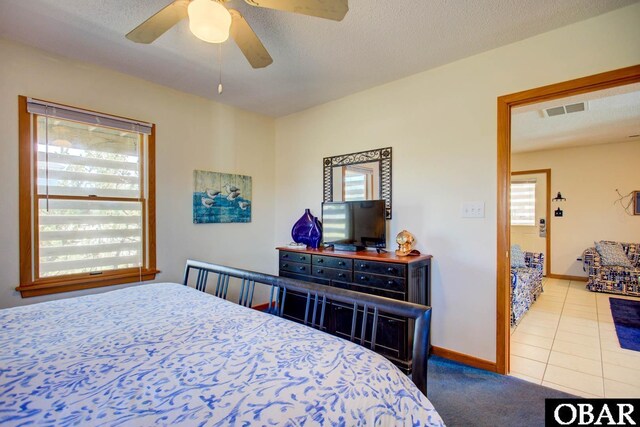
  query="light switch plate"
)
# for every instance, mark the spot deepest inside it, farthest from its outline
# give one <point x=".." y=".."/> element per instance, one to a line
<point x="473" y="209"/>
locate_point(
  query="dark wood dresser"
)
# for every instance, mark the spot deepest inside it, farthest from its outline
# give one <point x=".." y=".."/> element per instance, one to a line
<point x="388" y="275"/>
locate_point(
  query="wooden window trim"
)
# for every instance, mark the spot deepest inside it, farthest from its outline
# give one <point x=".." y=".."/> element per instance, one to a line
<point x="30" y="287"/>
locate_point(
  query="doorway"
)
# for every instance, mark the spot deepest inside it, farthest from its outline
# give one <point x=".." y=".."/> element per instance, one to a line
<point x="605" y="80"/>
<point x="531" y="212"/>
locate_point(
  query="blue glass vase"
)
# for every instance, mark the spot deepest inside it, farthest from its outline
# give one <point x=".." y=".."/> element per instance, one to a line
<point x="307" y="230"/>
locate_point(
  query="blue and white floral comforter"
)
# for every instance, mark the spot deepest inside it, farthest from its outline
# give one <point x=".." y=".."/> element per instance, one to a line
<point x="165" y="354"/>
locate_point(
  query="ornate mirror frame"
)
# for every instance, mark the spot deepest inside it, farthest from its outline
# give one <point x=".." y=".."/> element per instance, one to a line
<point x="381" y="155"/>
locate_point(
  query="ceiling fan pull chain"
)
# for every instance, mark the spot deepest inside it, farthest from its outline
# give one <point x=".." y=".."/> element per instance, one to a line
<point x="220" y="70"/>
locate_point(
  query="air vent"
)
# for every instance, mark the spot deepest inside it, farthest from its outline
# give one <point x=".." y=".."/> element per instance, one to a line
<point x="555" y="111"/>
<point x="565" y="109"/>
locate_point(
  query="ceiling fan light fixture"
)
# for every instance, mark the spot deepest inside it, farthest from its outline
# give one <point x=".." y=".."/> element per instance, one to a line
<point x="209" y="20"/>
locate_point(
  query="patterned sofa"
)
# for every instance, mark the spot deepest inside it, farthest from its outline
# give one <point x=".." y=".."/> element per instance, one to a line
<point x="613" y="279"/>
<point x="526" y="285"/>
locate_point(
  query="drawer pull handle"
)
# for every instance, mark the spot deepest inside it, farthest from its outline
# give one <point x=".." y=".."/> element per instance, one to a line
<point x="340" y="274"/>
<point x="363" y="265"/>
<point x="285" y="265"/>
<point x="390" y="282"/>
<point x="285" y="256"/>
<point x="321" y="260"/>
<point x="391" y="269"/>
<point x="363" y="277"/>
<point x="320" y="271"/>
<point x="301" y="268"/>
<point x="340" y="262"/>
<point x="302" y="258"/>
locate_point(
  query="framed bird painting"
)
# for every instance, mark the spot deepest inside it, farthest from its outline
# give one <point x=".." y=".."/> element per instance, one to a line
<point x="221" y="197"/>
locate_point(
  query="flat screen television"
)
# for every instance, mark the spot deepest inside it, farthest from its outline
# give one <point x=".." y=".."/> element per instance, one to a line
<point x="355" y="225"/>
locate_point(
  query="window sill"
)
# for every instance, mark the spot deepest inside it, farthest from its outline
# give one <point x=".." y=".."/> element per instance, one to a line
<point x="54" y="286"/>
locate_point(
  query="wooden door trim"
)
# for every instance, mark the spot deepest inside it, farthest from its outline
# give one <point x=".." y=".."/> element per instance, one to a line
<point x="505" y="103"/>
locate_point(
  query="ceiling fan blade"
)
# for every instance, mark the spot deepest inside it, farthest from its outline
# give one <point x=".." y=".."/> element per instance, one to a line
<point x="248" y="41"/>
<point x="328" y="9"/>
<point x="159" y="23"/>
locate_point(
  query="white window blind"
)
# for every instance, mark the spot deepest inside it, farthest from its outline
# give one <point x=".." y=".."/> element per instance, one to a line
<point x="43" y="108"/>
<point x="523" y="202"/>
<point x="357" y="183"/>
<point x="88" y="237"/>
<point x="90" y="198"/>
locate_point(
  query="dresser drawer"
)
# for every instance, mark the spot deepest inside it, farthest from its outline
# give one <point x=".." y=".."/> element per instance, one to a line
<point x="390" y="334"/>
<point x="295" y="257"/>
<point x="305" y="278"/>
<point x="295" y="267"/>
<point x="385" y="282"/>
<point x="371" y="290"/>
<point x="331" y="273"/>
<point x="386" y="268"/>
<point x="295" y="305"/>
<point x="332" y="262"/>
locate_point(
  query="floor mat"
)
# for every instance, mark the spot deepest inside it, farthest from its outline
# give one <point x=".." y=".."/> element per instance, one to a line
<point x="626" y="318"/>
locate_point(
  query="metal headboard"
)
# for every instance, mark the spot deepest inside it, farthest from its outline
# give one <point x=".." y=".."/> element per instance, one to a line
<point x="317" y="297"/>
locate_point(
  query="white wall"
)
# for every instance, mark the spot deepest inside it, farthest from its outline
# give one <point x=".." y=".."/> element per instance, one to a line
<point x="588" y="177"/>
<point x="442" y="126"/>
<point x="528" y="236"/>
<point x="192" y="133"/>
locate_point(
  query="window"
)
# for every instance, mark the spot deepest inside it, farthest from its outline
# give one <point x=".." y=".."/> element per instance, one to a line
<point x="87" y="199"/>
<point x="358" y="183"/>
<point x="523" y="202"/>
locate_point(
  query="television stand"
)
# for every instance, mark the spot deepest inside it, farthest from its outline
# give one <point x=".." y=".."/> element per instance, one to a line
<point x="386" y="274"/>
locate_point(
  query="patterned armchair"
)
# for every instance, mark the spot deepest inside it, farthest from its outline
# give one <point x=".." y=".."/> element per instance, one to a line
<point x="613" y="279"/>
<point x="526" y="285"/>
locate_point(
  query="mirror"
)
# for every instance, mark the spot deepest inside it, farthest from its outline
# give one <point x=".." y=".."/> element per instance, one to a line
<point x="359" y="176"/>
<point x="356" y="182"/>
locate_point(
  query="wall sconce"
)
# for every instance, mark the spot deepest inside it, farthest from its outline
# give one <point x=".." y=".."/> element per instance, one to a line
<point x="559" y="198"/>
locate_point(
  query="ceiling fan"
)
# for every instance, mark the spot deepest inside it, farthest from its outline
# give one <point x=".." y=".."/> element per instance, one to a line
<point x="213" y="22"/>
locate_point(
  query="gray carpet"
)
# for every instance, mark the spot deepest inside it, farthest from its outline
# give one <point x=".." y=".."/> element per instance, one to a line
<point x="465" y="396"/>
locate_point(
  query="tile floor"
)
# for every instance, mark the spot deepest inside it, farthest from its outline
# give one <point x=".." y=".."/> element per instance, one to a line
<point x="567" y="341"/>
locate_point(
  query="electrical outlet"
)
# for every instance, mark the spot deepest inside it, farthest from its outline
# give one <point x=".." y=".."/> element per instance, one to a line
<point x="473" y="210"/>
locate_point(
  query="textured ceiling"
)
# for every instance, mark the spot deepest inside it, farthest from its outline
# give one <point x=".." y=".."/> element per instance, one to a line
<point x="612" y="115"/>
<point x="315" y="60"/>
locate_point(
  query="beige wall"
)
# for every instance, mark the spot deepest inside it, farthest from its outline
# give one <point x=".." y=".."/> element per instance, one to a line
<point x="528" y="236"/>
<point x="442" y="127"/>
<point x="192" y="133"/>
<point x="588" y="177"/>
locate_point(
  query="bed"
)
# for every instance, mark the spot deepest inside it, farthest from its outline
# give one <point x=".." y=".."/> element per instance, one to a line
<point x="169" y="354"/>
